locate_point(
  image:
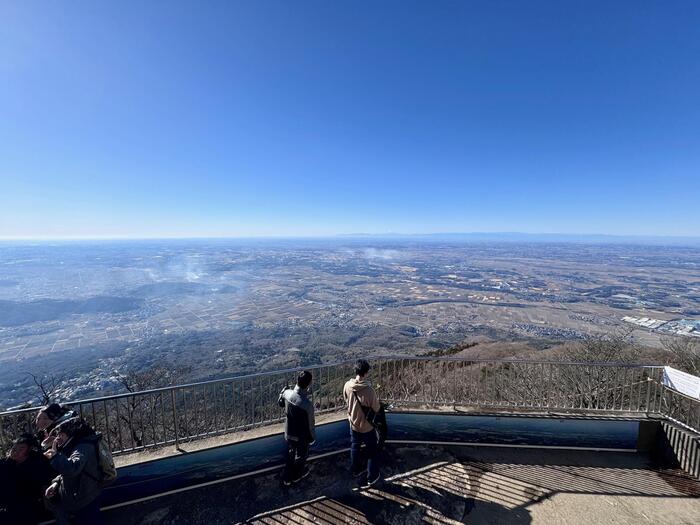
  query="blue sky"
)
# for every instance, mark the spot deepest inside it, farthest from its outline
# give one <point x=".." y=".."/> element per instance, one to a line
<point x="143" y="119"/>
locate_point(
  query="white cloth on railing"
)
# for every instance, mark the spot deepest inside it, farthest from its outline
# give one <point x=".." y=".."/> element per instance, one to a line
<point x="685" y="383"/>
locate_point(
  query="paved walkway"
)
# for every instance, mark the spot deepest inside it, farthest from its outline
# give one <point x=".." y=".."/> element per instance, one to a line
<point x="446" y="485"/>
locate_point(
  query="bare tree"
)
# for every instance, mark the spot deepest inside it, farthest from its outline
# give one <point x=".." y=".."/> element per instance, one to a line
<point x="156" y="376"/>
<point x="685" y="353"/>
<point x="610" y="386"/>
<point x="139" y="408"/>
<point x="47" y="386"/>
<point x="609" y="347"/>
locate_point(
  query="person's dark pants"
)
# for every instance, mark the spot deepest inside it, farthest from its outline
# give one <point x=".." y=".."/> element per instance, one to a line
<point x="20" y="514"/>
<point x="16" y="517"/>
<point x="297" y="452"/>
<point x="88" y="515"/>
<point x="370" y="453"/>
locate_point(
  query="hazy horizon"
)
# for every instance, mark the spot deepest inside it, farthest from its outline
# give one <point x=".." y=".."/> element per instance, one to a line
<point x="457" y="236"/>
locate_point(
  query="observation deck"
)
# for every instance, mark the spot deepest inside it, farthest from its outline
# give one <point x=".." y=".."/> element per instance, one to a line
<point x="475" y="441"/>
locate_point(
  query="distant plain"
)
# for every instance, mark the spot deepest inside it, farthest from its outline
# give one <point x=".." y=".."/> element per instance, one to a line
<point x="89" y="310"/>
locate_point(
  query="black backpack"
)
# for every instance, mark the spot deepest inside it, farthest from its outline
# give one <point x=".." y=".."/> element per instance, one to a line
<point x="376" y="419"/>
<point x="380" y="426"/>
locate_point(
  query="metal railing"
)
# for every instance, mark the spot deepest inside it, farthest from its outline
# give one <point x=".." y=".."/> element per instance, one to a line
<point x="173" y="415"/>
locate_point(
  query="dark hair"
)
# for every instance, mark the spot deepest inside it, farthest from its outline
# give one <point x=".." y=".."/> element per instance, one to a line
<point x="54" y="411"/>
<point x="304" y="379"/>
<point x="75" y="428"/>
<point x="361" y="367"/>
<point x="28" y="439"/>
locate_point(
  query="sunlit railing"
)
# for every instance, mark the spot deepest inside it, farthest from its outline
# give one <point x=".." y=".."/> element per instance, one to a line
<point x="170" y="416"/>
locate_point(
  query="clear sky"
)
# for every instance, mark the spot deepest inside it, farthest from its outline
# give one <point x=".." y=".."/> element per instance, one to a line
<point x="166" y="118"/>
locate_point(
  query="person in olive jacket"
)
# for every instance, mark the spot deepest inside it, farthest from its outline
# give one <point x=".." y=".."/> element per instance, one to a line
<point x="361" y="397"/>
<point x="73" y="495"/>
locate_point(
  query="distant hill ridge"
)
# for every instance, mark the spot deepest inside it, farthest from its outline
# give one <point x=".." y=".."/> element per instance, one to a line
<point x="592" y="238"/>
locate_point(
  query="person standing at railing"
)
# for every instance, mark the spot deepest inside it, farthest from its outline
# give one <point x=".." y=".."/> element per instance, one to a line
<point x="299" y="428"/>
<point x="363" y="405"/>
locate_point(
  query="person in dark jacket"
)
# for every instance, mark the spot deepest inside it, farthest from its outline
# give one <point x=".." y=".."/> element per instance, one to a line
<point x="73" y="495"/>
<point x="32" y="475"/>
<point x="299" y="428"/>
<point x="10" y="508"/>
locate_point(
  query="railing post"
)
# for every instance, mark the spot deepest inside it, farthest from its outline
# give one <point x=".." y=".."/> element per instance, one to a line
<point x="648" y="394"/>
<point x="175" y="424"/>
<point x="454" y="383"/>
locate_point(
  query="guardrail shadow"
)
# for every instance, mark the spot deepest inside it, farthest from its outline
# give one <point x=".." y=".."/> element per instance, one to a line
<point x="449" y="485"/>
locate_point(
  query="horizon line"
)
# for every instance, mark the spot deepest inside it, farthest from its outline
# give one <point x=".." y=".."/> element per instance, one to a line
<point x="346" y="235"/>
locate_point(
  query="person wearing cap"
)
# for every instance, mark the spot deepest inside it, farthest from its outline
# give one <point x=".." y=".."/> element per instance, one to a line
<point x="48" y="418"/>
<point x="73" y="495"/>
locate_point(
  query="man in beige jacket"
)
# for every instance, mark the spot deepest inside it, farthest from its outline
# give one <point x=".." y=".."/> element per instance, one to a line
<point x="360" y="398"/>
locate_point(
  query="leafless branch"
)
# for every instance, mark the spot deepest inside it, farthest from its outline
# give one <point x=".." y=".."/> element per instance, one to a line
<point x="47" y="386"/>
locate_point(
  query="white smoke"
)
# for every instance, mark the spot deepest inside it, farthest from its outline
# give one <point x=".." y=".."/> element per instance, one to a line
<point x="152" y="275"/>
<point x="180" y="268"/>
<point x="188" y="267"/>
<point x="377" y="253"/>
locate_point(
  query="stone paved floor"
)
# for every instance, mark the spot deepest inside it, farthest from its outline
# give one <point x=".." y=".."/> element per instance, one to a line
<point x="446" y="485"/>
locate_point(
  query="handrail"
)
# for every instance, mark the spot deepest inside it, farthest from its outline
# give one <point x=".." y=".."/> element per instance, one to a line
<point x="134" y="421"/>
<point x="335" y="364"/>
<point x="180" y="386"/>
